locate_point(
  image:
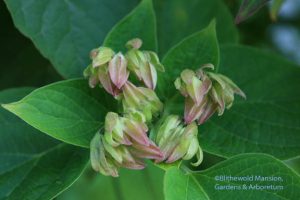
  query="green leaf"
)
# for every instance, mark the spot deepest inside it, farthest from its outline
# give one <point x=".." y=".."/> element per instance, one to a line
<point x="68" y="110"/>
<point x="192" y="52"/>
<point x="140" y="23"/>
<point x="33" y="165"/>
<point x="144" y="184"/>
<point x="66" y="31"/>
<point x="21" y="63"/>
<point x="177" y="19"/>
<point x="204" y="184"/>
<point x="269" y="120"/>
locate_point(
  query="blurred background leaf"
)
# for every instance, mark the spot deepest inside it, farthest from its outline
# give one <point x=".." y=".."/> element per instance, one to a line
<point x="21" y="64"/>
<point x="275" y="8"/>
<point x="177" y="19"/>
<point x="144" y="184"/>
<point x="281" y="37"/>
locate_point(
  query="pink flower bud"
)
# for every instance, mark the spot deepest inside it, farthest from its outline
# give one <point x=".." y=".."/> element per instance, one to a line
<point x="208" y="110"/>
<point x="149" y="75"/>
<point x="150" y="152"/>
<point x="144" y="65"/>
<point x="193" y="111"/>
<point x="118" y="70"/>
<point x="106" y="82"/>
<point x="142" y="100"/>
<point x="137" y="131"/>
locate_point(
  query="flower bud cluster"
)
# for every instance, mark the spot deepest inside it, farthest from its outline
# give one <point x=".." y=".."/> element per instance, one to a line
<point x="177" y="141"/>
<point x="205" y="93"/>
<point x="112" y="69"/>
<point x="124" y="141"/>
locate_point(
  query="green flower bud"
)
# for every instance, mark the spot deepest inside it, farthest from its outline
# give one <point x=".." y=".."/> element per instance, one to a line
<point x="191" y="86"/>
<point x="153" y="58"/>
<point x="142" y="100"/>
<point x="223" y="90"/>
<point x="178" y="142"/>
<point x="114" y="127"/>
<point x="167" y="128"/>
<point x="101" y="56"/>
<point x="188" y="145"/>
<point x="143" y="63"/>
<point x="99" y="160"/>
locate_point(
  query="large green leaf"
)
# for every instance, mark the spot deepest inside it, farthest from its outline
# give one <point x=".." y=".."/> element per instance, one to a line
<point x="33" y="165"/>
<point x="65" y="31"/>
<point x="176" y="19"/>
<point x="140" y="23"/>
<point x="68" y="110"/>
<point x="21" y="63"/>
<point x="269" y="120"/>
<point x="207" y="184"/>
<point x="194" y="51"/>
<point x="146" y="184"/>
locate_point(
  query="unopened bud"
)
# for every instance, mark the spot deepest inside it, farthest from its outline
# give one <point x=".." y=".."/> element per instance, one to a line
<point x="153" y="58"/>
<point x="108" y="69"/>
<point x="187" y="146"/>
<point x="167" y="128"/>
<point x="150" y="152"/>
<point x="135" y="43"/>
<point x="137" y="131"/>
<point x="101" y="56"/>
<point x="118" y="70"/>
<point x="99" y="160"/>
<point x="141" y="99"/>
<point x="106" y="82"/>
<point x="178" y="142"/>
<point x="144" y="65"/>
<point x="114" y="130"/>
